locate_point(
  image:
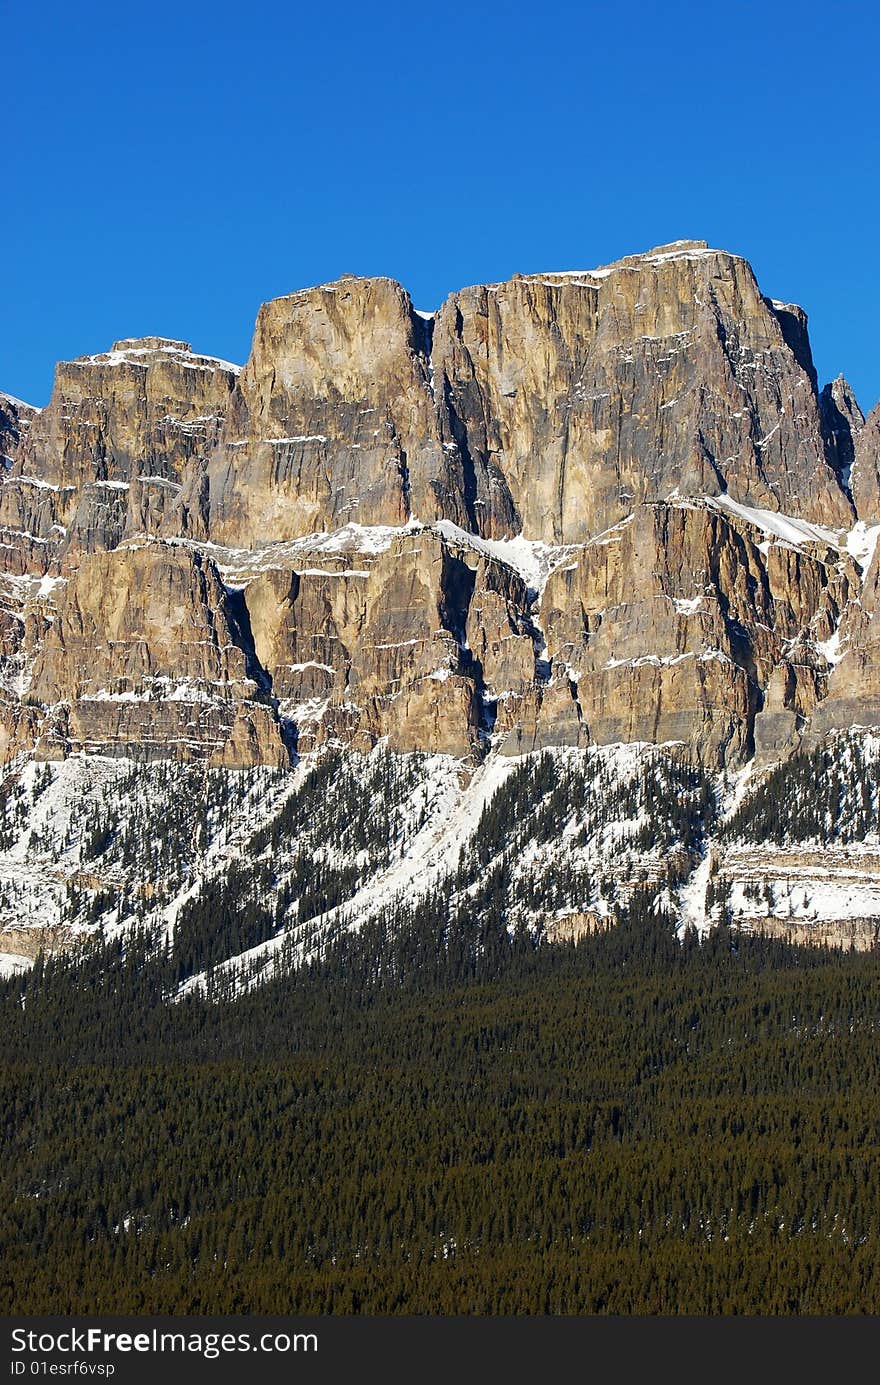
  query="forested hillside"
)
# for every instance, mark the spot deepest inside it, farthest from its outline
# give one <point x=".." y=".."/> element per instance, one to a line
<point x="491" y="1125"/>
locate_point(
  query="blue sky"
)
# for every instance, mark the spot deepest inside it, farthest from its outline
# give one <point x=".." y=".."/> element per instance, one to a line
<point x="169" y="167"/>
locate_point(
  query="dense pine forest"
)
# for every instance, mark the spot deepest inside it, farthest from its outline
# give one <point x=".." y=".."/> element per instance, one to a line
<point x="444" y="1114"/>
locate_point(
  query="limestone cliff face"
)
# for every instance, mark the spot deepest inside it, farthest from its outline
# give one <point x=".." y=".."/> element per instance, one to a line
<point x="866" y="468"/>
<point x="842" y="421"/>
<point x="550" y="405"/>
<point x="666" y="373"/>
<point x="26" y="514"/>
<point x="677" y="625"/>
<point x="144" y="408"/>
<point x="573" y="508"/>
<point x="108" y="455"/>
<point x="146" y="654"/>
<point x="16" y="418"/>
<point x="333" y="420"/>
<point x="853" y="691"/>
<point x="366" y="646"/>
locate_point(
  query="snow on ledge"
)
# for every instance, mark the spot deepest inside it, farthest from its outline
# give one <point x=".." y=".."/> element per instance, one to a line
<point x="20" y="403"/>
<point x="143" y="356"/>
<point x="773" y="522"/>
<point x="861" y="543"/>
<point x="532" y="559"/>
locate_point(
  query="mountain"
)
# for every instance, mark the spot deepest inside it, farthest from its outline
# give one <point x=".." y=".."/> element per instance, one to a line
<point x="570" y="585"/>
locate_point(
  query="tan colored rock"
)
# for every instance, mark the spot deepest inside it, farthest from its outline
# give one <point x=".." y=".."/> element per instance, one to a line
<point x="19" y="727"/>
<point x="108" y="455"/>
<point x="576" y="925"/>
<point x="30" y="942"/>
<point x="333" y="421"/>
<point x="853" y="686"/>
<point x="372" y="637"/>
<point x="862" y="935"/>
<point x="146" y="658"/>
<point x="146" y="407"/>
<point x="613" y="414"/>
<point x="580" y="395"/>
<point x="672" y="626"/>
<point x="791" y="695"/>
<point x="677" y="626"/>
<point x="866" y="469"/>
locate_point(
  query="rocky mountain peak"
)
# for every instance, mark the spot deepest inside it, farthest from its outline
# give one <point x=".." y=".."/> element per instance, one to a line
<point x="573" y="395"/>
<point x="604" y="513"/>
<point x="865" y="479"/>
<point x="842" y="421"/>
<point x="135" y="344"/>
<point x="548" y="516"/>
<point x="677" y="247"/>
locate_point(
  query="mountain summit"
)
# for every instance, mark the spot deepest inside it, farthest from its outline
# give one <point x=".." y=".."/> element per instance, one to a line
<point x="573" y="510"/>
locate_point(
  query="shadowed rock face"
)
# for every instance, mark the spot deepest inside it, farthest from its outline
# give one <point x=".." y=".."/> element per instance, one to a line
<point x="211" y="563"/>
<point x="842" y="420"/>
<point x="16" y="418"/>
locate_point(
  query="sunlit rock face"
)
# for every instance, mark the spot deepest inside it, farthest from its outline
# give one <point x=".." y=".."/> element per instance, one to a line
<point x="575" y="508"/>
<point x="666" y="373"/>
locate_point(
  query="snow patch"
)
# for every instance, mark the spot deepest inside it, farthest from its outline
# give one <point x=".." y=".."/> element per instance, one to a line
<point x="134" y="355"/>
<point x="687" y="606"/>
<point x="13" y="964"/>
<point x="532" y="559"/>
<point x="861" y="544"/>
<point x="299" y="437"/>
<point x="780" y="526"/>
<point x="20" y="403"/>
<point x="692" y="899"/>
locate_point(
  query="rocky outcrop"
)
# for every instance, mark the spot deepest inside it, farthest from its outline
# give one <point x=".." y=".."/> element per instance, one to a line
<point x="853" y="446"/>
<point x="814" y="897"/>
<point x="108" y="455"/>
<point x="842" y="420"/>
<point x="144" y="408"/>
<point x="676" y="624"/>
<point x="683" y="624"/>
<point x="581" y="395"/>
<point x="333" y="420"/>
<point x="853" y="691"/>
<point x="573" y="508"/>
<point x="866" y="469"/>
<point x="16" y="418"/>
<point x="550" y="405"/>
<point x="145" y="657"/>
<point x="393" y="644"/>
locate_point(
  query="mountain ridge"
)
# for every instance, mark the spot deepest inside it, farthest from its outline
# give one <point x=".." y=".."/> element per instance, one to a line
<point x="572" y="510"/>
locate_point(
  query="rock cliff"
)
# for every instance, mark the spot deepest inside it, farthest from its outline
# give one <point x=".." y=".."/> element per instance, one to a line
<point x="147" y="656"/>
<point x="571" y="509"/>
<point x="109" y="454"/>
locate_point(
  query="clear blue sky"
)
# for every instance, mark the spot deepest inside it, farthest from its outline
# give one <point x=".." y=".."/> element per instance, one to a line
<point x="169" y="166"/>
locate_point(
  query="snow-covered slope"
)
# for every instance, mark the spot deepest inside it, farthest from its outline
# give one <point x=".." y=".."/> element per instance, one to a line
<point x="242" y="867"/>
<point x="238" y="872"/>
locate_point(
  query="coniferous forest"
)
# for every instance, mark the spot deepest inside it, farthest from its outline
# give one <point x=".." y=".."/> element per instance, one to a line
<point x="448" y="1116"/>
